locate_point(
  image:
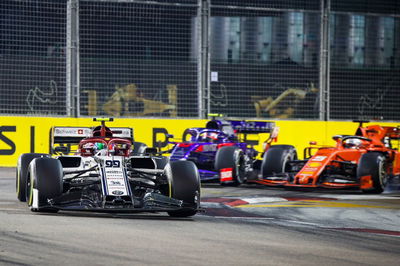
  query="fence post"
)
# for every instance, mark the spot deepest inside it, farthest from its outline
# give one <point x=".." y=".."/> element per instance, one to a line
<point x="204" y="85"/>
<point x="324" y="67"/>
<point x="72" y="54"/>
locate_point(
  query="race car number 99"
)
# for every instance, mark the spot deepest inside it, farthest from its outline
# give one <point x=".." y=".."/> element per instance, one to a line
<point x="113" y="163"/>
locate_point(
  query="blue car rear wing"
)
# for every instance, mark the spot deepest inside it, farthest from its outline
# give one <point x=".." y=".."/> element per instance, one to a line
<point x="252" y="127"/>
<point x="231" y="127"/>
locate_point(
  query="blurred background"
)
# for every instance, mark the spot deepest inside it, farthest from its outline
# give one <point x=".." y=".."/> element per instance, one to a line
<point x="271" y="59"/>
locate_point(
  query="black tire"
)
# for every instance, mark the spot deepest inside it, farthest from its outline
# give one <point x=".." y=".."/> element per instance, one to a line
<point x="45" y="182"/>
<point x="276" y="158"/>
<point x="231" y="157"/>
<point x="139" y="148"/>
<point x="22" y="172"/>
<point x="184" y="184"/>
<point x="373" y="164"/>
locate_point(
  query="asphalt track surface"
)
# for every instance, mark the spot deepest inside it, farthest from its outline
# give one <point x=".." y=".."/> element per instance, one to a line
<point x="248" y="225"/>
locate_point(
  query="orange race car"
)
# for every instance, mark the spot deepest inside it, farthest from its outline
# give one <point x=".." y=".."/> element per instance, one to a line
<point x="365" y="160"/>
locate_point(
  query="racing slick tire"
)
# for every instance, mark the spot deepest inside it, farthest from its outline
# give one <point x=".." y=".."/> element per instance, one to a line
<point x="22" y="172"/>
<point x="184" y="185"/>
<point x="45" y="181"/>
<point x="139" y="148"/>
<point x="231" y="157"/>
<point x="276" y="158"/>
<point x="373" y="164"/>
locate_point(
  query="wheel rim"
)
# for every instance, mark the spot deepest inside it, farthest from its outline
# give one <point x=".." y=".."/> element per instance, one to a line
<point x="382" y="173"/>
<point x="240" y="168"/>
<point x="197" y="199"/>
<point x="288" y="157"/>
<point x="29" y="191"/>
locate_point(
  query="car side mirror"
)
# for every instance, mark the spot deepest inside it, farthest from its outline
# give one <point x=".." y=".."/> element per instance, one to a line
<point x="337" y="137"/>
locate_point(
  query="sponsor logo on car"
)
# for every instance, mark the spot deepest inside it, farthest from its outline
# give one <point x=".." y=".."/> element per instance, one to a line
<point x="88" y="145"/>
<point x="212" y="147"/>
<point x="226" y="174"/>
<point x="318" y="158"/>
<point x="309" y="169"/>
<point x="117" y="192"/>
<point x="314" y="164"/>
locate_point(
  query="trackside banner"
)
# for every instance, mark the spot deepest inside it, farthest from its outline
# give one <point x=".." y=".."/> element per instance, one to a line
<point x="32" y="134"/>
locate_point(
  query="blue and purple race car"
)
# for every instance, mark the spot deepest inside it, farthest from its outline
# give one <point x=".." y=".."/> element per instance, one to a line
<point x="222" y="150"/>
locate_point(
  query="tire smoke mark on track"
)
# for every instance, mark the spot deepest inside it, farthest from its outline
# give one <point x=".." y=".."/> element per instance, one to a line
<point x="367" y="230"/>
<point x="227" y="212"/>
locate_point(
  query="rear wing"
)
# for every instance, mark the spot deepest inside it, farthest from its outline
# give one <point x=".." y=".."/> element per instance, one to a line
<point x="256" y="127"/>
<point x="232" y="127"/>
<point x="393" y="132"/>
<point x="60" y="136"/>
<point x="252" y="127"/>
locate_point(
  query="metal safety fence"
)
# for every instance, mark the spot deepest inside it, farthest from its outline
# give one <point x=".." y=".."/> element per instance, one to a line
<point x="135" y="58"/>
<point x="265" y="58"/>
<point x="32" y="57"/>
<point x="364" y="67"/>
<point x="286" y="59"/>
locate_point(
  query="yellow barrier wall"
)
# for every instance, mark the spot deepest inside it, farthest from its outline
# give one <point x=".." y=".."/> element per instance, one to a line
<point x="31" y="134"/>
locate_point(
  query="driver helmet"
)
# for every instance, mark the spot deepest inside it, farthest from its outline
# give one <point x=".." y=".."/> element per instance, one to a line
<point x="352" y="143"/>
<point x="99" y="146"/>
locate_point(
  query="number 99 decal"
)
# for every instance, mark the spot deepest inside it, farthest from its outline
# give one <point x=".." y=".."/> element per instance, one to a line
<point x="113" y="163"/>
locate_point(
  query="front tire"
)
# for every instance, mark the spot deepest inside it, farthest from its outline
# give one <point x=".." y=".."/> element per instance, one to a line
<point x="276" y="159"/>
<point x="373" y="164"/>
<point x="45" y="181"/>
<point x="232" y="157"/>
<point x="184" y="184"/>
<point x="22" y="172"/>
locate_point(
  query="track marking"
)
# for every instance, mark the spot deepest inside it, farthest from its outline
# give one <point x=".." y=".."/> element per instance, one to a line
<point x="312" y="204"/>
<point x="243" y="218"/>
<point x="235" y="201"/>
<point x="359" y="197"/>
<point x="263" y="199"/>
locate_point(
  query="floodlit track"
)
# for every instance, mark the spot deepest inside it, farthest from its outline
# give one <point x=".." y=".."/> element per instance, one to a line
<point x="247" y="225"/>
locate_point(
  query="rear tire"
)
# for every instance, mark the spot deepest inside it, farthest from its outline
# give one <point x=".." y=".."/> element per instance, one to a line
<point x="231" y="157"/>
<point x="22" y="172"/>
<point x="184" y="185"/>
<point x="276" y="158"/>
<point x="45" y="182"/>
<point x="373" y="164"/>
